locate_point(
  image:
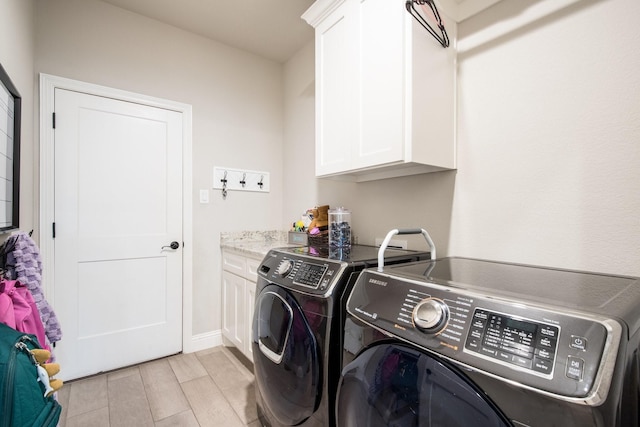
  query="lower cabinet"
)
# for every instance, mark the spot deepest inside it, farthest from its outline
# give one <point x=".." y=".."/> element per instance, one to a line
<point x="239" y="276"/>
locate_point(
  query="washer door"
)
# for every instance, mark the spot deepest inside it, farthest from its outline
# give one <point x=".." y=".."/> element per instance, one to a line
<point x="286" y="357"/>
<point x="396" y="385"/>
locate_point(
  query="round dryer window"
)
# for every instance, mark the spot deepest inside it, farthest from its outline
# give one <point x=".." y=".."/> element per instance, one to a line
<point x="397" y="385"/>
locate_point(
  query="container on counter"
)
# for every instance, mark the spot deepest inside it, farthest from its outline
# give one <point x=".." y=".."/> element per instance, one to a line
<point x="339" y="227"/>
<point x="298" y="238"/>
<point x="342" y="253"/>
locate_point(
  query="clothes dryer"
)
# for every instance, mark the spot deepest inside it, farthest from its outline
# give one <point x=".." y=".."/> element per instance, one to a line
<point x="461" y="342"/>
<point x="297" y="327"/>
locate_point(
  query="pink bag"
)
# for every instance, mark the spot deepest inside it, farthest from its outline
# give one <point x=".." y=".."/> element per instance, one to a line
<point x="18" y="310"/>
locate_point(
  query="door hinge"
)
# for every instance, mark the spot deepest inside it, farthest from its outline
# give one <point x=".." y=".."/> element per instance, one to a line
<point x="54" y="120"/>
<point x="53" y="229"/>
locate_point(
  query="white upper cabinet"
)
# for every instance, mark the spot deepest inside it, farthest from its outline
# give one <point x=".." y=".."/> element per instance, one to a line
<point x="336" y="82"/>
<point x="385" y="91"/>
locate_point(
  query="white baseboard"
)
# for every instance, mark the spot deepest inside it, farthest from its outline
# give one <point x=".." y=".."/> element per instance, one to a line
<point x="203" y="341"/>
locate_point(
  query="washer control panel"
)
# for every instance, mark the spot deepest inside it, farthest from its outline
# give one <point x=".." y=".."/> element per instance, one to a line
<point x="549" y="350"/>
<point x="516" y="341"/>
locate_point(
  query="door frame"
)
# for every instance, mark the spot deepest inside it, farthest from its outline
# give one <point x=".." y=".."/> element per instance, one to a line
<point x="48" y="84"/>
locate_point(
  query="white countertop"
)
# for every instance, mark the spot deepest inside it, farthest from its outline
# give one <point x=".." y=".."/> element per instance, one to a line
<point x="254" y="243"/>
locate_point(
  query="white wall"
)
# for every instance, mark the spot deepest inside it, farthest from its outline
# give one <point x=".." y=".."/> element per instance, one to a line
<point x="299" y="138"/>
<point x="549" y="140"/>
<point x="548" y="147"/>
<point x="237" y="112"/>
<point x="16" y="57"/>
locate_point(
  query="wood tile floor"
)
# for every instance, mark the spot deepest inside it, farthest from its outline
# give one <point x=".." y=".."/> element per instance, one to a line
<point x="207" y="388"/>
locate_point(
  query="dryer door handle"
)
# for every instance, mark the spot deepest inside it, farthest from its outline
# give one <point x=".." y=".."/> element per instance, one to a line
<point x="264" y="313"/>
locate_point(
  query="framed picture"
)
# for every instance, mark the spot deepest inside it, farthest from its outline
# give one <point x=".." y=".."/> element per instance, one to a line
<point x="10" y="115"/>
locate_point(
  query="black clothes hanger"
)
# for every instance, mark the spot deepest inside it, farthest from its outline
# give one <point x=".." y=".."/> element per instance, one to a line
<point x="441" y="36"/>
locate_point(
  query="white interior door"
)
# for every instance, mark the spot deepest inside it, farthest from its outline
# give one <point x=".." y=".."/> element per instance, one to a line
<point x="118" y="207"/>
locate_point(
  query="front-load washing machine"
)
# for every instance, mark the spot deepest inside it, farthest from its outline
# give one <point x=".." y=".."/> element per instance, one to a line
<point x="466" y="342"/>
<point x="297" y="327"/>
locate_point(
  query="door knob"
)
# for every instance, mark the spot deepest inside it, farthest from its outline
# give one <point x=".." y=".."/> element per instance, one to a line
<point x="173" y="245"/>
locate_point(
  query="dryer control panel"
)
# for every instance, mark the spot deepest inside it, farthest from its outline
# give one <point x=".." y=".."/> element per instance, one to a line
<point x="568" y="355"/>
<point x="313" y="276"/>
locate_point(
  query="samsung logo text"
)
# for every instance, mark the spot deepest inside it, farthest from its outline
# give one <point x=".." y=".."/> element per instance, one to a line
<point x="378" y="282"/>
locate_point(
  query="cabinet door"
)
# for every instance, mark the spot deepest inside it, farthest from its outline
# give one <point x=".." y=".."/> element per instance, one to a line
<point x="236" y="264"/>
<point x="233" y="309"/>
<point x="336" y="90"/>
<point x="250" y="305"/>
<point x="382" y="83"/>
<point x="250" y="302"/>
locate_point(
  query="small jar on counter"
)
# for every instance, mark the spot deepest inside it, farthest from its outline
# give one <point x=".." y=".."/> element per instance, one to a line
<point x="339" y="227"/>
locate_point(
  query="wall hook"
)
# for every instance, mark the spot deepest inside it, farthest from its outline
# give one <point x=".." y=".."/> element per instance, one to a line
<point x="224" y="186"/>
<point x="230" y="179"/>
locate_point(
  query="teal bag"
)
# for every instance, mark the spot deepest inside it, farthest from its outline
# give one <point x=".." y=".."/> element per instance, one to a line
<point x="22" y="401"/>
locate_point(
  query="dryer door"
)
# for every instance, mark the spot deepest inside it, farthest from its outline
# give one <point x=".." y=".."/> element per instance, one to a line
<point x="397" y="385"/>
<point x="286" y="357"/>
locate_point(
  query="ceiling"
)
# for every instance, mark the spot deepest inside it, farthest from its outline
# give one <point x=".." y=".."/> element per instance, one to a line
<point x="269" y="28"/>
